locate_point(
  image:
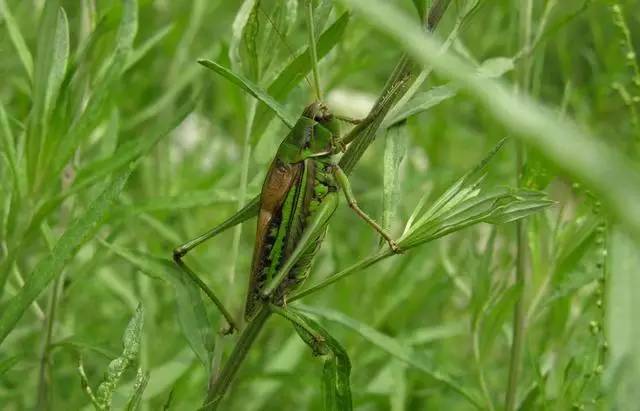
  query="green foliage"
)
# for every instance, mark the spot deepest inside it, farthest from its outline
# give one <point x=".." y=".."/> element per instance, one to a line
<point x="116" y="146"/>
<point x="103" y="398"/>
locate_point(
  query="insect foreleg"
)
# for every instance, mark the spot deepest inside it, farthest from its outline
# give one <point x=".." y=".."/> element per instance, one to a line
<point x="248" y="211"/>
<point x="310" y="234"/>
<point x="343" y="182"/>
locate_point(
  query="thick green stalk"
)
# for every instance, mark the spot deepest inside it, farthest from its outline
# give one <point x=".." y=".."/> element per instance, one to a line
<point x="401" y="79"/>
<point x="246" y="340"/>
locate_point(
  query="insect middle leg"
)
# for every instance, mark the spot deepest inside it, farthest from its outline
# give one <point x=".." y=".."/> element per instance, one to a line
<point x="343" y="182"/>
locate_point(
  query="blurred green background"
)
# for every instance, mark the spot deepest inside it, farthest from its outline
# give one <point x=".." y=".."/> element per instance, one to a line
<point x="86" y="89"/>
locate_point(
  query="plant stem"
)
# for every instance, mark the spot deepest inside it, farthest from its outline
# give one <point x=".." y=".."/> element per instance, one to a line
<point x="402" y="77"/>
<point x="43" y="376"/>
<point x="519" y="312"/>
<point x="367" y="262"/>
<point x="246" y="340"/>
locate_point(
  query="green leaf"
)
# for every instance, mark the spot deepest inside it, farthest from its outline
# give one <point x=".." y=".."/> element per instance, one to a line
<point x="191" y="312"/>
<point x="239" y="26"/>
<point x="117" y="367"/>
<point x="183" y="201"/>
<point x="421" y="7"/>
<point x="422" y="102"/>
<point x="167" y="100"/>
<point x="134" y="149"/>
<point x="52" y="265"/>
<point x="394" y="348"/>
<point x="139" y="53"/>
<point x="395" y="149"/>
<point x="460" y="190"/>
<point x="77" y="344"/>
<point x="336" y="386"/>
<point x="82" y="127"/>
<point x="7" y="363"/>
<point x="623" y="333"/>
<point x="17" y="39"/>
<point x="142" y="378"/>
<point x="59" y="62"/>
<point x="164" y="376"/>
<point x="495" y="67"/>
<point x="9" y="149"/>
<point x="36" y="130"/>
<point x="251" y="88"/>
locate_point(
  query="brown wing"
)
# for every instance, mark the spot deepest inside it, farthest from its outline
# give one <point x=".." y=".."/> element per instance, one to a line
<point x="279" y="180"/>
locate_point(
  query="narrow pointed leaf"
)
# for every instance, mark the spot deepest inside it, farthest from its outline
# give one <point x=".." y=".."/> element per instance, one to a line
<point x="52" y="265"/>
<point x="251" y="88"/>
<point x="17" y="39"/>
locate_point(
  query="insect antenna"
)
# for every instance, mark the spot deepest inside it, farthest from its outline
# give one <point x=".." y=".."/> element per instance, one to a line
<point x="312" y="48"/>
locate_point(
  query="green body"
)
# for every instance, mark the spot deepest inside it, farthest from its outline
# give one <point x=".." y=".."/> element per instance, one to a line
<point x="298" y="197"/>
<point x="299" y="183"/>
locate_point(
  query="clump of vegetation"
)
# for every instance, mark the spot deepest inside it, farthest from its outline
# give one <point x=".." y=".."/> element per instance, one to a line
<point x="498" y="147"/>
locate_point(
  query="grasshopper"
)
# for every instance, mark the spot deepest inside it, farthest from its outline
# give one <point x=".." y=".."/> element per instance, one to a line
<point x="298" y="197"/>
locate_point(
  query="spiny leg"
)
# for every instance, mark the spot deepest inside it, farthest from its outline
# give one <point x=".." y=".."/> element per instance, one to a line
<point x="309" y="235"/>
<point x="212" y="296"/>
<point x="343" y="182"/>
<point x="248" y="211"/>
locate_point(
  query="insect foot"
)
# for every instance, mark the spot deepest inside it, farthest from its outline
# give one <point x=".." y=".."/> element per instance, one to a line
<point x="178" y="253"/>
<point x="227" y="330"/>
<point x="395" y="247"/>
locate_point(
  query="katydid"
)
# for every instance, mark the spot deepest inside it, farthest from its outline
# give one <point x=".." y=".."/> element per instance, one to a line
<point x="298" y="197"/>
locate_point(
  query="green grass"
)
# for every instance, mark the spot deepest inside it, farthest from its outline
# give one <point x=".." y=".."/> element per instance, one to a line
<point x="116" y="146"/>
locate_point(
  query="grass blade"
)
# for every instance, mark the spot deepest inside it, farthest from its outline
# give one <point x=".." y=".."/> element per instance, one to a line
<point x="59" y="62"/>
<point x="142" y="379"/>
<point x="7" y="363"/>
<point x="422" y="102"/>
<point x="17" y="39"/>
<point x="395" y="149"/>
<point x="251" y="88"/>
<point x="10" y="150"/>
<point x="139" y="53"/>
<point x="91" y="116"/>
<point x="51" y="266"/>
<point x="36" y="130"/>
<point x="336" y="386"/>
<point x="623" y="333"/>
<point x="394" y="348"/>
<point x="191" y="312"/>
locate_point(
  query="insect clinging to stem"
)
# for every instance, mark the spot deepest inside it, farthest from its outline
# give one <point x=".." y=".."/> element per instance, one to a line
<point x="298" y="197"/>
